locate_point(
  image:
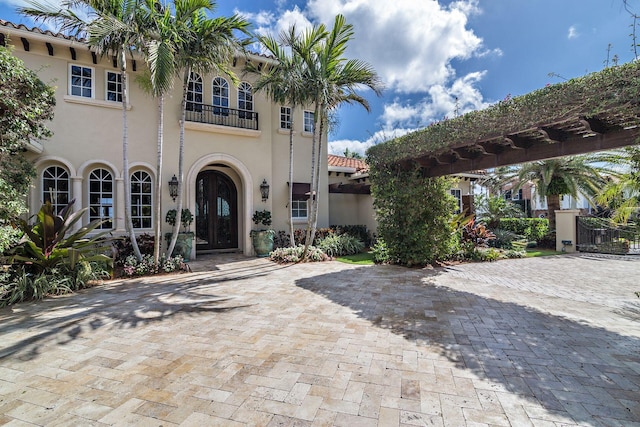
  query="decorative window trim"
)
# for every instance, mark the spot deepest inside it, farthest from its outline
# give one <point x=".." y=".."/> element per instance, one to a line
<point x="94" y="102"/>
<point x="71" y="85"/>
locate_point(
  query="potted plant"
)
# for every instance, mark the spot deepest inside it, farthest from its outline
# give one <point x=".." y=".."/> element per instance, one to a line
<point x="184" y="243"/>
<point x="262" y="239"/>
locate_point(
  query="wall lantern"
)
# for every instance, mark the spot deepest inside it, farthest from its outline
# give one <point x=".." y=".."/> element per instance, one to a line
<point x="264" y="190"/>
<point x="173" y="188"/>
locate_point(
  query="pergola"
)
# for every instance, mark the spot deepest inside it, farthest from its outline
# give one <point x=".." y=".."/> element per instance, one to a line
<point x="597" y="112"/>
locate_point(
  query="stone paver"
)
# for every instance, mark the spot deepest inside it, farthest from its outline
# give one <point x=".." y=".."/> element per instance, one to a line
<point x="549" y="341"/>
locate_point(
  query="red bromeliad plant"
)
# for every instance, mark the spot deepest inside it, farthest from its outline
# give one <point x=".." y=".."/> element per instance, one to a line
<point x="45" y="244"/>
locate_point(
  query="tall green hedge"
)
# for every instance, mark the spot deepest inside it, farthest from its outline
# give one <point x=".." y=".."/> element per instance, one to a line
<point x="530" y="228"/>
<point x="413" y="213"/>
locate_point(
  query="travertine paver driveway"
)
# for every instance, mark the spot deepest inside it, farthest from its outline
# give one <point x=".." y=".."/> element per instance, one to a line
<point x="545" y="342"/>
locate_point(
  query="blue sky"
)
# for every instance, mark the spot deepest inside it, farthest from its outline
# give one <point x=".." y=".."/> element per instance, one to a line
<point x="430" y="53"/>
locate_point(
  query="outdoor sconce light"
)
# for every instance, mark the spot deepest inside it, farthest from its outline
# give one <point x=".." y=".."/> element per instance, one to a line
<point x="264" y="190"/>
<point x="173" y="188"/>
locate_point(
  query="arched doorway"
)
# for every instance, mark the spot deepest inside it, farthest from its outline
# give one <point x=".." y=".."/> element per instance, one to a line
<point x="216" y="211"/>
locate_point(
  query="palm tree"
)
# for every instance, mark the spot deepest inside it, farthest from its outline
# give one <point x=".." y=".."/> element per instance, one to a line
<point x="332" y="80"/>
<point x="567" y="175"/>
<point x="113" y="27"/>
<point x="284" y="83"/>
<point x="622" y="193"/>
<point x="207" y="45"/>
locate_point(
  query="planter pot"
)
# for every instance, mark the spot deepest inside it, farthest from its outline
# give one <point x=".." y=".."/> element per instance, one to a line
<point x="184" y="243"/>
<point x="262" y="241"/>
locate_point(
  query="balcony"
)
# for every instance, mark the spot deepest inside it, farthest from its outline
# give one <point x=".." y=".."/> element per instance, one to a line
<point x="222" y="116"/>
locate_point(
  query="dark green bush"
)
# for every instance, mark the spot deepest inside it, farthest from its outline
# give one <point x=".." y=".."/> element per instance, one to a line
<point x="529" y="228"/>
<point x="359" y="231"/>
<point x="413" y="213"/>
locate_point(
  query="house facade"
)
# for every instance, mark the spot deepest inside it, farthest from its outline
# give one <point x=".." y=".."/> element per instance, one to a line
<point x="235" y="141"/>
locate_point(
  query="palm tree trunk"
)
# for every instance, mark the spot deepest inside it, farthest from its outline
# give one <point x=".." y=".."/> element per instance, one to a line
<point x="292" y="239"/>
<point x="125" y="161"/>
<point x="316" y="204"/>
<point x="183" y="115"/>
<point x="308" y="241"/>
<point x="553" y="205"/>
<point x="158" y="205"/>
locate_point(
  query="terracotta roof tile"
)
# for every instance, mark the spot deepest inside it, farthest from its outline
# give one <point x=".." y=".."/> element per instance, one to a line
<point x="348" y="162"/>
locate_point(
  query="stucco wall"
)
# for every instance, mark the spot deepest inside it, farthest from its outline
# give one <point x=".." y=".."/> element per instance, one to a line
<point x="88" y="133"/>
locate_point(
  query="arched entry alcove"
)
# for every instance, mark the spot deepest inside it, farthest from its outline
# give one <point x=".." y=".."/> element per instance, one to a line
<point x="224" y="175"/>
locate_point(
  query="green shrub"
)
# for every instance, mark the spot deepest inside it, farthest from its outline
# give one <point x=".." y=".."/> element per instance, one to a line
<point x="530" y="228"/>
<point x="123" y="247"/>
<point x="9" y="237"/>
<point x="19" y="284"/>
<point x="359" y="231"/>
<point x="413" y="212"/>
<point x="380" y="252"/>
<point x="503" y="238"/>
<point x="291" y="255"/>
<point x="337" y="245"/>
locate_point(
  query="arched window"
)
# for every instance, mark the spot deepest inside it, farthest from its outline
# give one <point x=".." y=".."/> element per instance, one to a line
<point x="220" y="96"/>
<point x="55" y="187"/>
<point x="101" y="197"/>
<point x="245" y="101"/>
<point x="194" y="93"/>
<point x="141" y="200"/>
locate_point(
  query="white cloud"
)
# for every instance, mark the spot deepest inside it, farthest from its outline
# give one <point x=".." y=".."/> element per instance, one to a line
<point x="573" y="32"/>
<point x="338" y="147"/>
<point x="411" y="44"/>
<point x="442" y="101"/>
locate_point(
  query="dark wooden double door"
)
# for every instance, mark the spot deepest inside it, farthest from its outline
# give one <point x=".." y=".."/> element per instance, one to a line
<point x="216" y="211"/>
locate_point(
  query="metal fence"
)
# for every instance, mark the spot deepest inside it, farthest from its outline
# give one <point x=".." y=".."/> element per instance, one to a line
<point x="601" y="235"/>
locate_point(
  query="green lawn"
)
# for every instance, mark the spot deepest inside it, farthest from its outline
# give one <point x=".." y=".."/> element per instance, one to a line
<point x="363" y="258"/>
<point x="535" y="252"/>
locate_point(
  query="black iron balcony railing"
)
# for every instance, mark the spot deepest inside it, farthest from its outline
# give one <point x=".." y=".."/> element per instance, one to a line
<point x="222" y="116"/>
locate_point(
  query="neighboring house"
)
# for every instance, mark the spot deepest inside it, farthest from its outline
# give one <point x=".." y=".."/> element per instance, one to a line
<point x="350" y="201"/>
<point x="234" y="141"/>
<point x="535" y="206"/>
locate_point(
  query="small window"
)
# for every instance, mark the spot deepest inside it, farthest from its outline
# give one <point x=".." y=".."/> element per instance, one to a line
<point x="507" y="195"/>
<point x="194" y="93"/>
<point x="81" y="82"/>
<point x="308" y="121"/>
<point x="114" y="87"/>
<point x="55" y="187"/>
<point x="245" y="101"/>
<point x="141" y="199"/>
<point x="101" y="197"/>
<point x="220" y="96"/>
<point x="457" y="194"/>
<point x="517" y="195"/>
<point x="285" y="117"/>
<point x="299" y="208"/>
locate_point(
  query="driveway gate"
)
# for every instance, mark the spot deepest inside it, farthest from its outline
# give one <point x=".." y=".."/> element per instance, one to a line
<point x="603" y="236"/>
